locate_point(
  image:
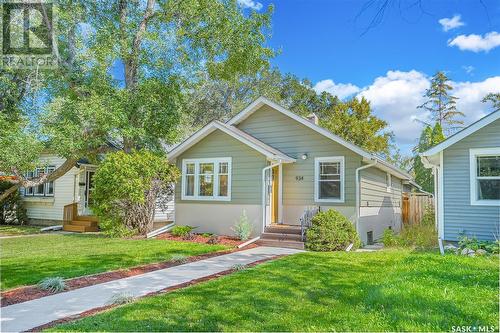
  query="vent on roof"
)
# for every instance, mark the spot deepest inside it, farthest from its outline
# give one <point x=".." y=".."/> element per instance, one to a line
<point x="313" y="118"/>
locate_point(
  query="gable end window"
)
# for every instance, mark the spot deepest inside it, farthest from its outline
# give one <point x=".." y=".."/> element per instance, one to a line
<point x="206" y="179"/>
<point x="485" y="176"/>
<point x="42" y="190"/>
<point x="329" y="179"/>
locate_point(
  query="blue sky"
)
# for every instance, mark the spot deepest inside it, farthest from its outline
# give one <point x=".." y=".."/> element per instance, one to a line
<point x="391" y="63"/>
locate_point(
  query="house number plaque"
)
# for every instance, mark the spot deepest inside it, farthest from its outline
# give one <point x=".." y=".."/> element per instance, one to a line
<point x="299" y="178"/>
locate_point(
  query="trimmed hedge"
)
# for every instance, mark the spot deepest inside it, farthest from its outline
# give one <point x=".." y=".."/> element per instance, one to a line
<point x="331" y="231"/>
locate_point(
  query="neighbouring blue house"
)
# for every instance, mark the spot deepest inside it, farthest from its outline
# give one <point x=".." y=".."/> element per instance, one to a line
<point x="467" y="181"/>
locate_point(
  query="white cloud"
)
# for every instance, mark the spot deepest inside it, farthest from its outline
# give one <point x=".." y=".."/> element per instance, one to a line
<point x="250" y="4"/>
<point x="342" y="90"/>
<point x="469" y="69"/>
<point x="476" y="43"/>
<point x="451" y="23"/>
<point x="395" y="96"/>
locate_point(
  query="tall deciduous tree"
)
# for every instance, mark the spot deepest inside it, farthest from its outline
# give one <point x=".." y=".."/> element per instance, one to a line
<point x="442" y="105"/>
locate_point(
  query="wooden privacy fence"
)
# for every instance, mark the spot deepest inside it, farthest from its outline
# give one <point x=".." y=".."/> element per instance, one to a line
<point x="414" y="206"/>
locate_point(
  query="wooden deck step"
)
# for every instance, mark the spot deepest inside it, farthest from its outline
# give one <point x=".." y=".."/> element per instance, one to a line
<point x="284" y="229"/>
<point x="281" y="243"/>
<point x="85" y="223"/>
<point x="87" y="218"/>
<point x="281" y="236"/>
<point x="80" y="228"/>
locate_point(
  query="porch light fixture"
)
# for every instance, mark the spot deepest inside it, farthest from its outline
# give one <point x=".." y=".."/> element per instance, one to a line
<point x="304" y="156"/>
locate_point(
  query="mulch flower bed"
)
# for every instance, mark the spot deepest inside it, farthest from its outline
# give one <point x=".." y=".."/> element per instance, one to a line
<point x="29" y="293"/>
<point x="163" y="291"/>
<point x="199" y="238"/>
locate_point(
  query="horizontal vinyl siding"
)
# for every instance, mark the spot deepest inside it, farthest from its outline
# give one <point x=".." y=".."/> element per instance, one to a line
<point x="51" y="208"/>
<point x="459" y="215"/>
<point x="374" y="189"/>
<point x="295" y="139"/>
<point x="247" y="165"/>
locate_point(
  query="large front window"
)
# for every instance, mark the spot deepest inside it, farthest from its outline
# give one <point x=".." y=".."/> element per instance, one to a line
<point x="485" y="176"/>
<point x="329" y="179"/>
<point x="206" y="179"/>
<point x="42" y="190"/>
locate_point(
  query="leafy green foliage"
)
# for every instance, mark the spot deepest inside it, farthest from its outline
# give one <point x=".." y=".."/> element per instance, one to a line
<point x="494" y="98"/>
<point x="383" y="291"/>
<point x="52" y="284"/>
<point x="27" y="260"/>
<point x="12" y="210"/>
<point x="474" y="244"/>
<point x="181" y="230"/>
<point x="127" y="188"/>
<point x="421" y="235"/>
<point x="242" y="228"/>
<point x="120" y="299"/>
<point x="331" y="231"/>
<point x="179" y="258"/>
<point x="442" y="105"/>
<point x="428" y="138"/>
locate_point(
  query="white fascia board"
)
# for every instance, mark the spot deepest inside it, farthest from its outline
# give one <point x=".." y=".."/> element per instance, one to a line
<point x="463" y="133"/>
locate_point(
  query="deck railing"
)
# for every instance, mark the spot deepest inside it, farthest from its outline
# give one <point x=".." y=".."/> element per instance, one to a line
<point x="305" y="220"/>
<point x="70" y="212"/>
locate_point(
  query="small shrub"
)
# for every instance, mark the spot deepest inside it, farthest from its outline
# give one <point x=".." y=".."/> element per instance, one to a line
<point x="115" y="229"/>
<point x="181" y="230"/>
<point x="12" y="210"/>
<point x="119" y="299"/>
<point x="179" y="258"/>
<point x="331" y="231"/>
<point x="206" y="234"/>
<point x="214" y="239"/>
<point x="242" y="228"/>
<point x="491" y="247"/>
<point x="189" y="236"/>
<point x="52" y="284"/>
<point x="390" y="238"/>
<point x="239" y="267"/>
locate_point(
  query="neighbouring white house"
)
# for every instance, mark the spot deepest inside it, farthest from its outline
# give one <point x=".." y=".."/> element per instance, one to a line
<point x="466" y="168"/>
<point x="45" y="204"/>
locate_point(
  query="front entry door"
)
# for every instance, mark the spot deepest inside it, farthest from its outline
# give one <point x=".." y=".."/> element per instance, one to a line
<point x="272" y="195"/>
<point x="88" y="192"/>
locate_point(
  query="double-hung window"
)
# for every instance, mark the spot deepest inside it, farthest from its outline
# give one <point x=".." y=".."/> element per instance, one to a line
<point x="42" y="190"/>
<point x="485" y="176"/>
<point x="206" y="179"/>
<point x="329" y="179"/>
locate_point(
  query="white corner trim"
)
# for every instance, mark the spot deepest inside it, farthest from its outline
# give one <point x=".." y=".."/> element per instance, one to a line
<point x="196" y="162"/>
<point x="473" y="154"/>
<point x="463" y="133"/>
<point x="317" y="160"/>
<point x="440" y="190"/>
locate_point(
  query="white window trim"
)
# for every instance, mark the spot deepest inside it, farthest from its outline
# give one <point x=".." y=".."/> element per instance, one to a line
<point x="317" y="160"/>
<point x="197" y="162"/>
<point x="473" y="154"/>
<point x="47" y="169"/>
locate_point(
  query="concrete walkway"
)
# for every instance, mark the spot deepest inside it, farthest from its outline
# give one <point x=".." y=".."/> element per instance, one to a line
<point x="27" y="315"/>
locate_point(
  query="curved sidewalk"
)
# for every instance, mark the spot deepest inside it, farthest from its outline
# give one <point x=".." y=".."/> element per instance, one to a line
<point x="27" y="315"/>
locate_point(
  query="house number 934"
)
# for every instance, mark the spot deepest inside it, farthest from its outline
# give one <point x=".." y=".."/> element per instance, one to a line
<point x="299" y="178"/>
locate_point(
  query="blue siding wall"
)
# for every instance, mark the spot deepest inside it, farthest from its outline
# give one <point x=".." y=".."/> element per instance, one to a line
<point x="460" y="217"/>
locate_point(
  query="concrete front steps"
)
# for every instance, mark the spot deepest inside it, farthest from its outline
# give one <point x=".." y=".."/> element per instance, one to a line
<point x="282" y="235"/>
<point x="82" y="224"/>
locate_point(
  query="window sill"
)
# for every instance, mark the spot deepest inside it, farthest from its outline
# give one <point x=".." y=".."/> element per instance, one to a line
<point x="330" y="200"/>
<point x="485" y="203"/>
<point x="204" y="199"/>
<point x="39" y="199"/>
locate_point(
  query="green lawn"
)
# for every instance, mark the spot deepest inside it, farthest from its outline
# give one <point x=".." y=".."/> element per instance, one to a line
<point x="17" y="230"/>
<point x="27" y="260"/>
<point x="394" y="290"/>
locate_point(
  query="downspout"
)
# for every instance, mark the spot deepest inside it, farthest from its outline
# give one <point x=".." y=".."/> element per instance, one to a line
<point x="264" y="188"/>
<point x="437" y="209"/>
<point x="358" y="198"/>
